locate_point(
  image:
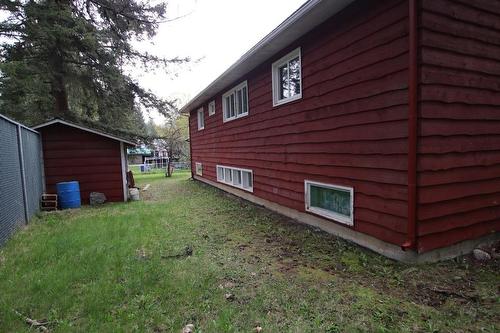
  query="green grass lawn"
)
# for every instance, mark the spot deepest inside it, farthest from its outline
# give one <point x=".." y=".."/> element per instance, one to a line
<point x="136" y="169"/>
<point x="120" y="268"/>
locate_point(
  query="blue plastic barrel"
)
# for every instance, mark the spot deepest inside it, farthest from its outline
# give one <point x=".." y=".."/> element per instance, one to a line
<point x="68" y="194"/>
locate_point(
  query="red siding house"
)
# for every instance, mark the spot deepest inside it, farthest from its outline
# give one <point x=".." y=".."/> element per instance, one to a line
<point x="95" y="159"/>
<point x="378" y="121"/>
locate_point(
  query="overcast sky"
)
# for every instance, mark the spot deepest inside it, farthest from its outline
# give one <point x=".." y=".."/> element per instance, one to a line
<point x="216" y="31"/>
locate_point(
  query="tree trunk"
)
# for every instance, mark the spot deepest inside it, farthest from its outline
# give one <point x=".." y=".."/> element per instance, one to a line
<point x="60" y="96"/>
<point x="169" y="163"/>
<point x="58" y="84"/>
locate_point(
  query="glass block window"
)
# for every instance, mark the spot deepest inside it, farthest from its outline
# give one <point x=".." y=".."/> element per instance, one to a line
<point x="331" y="201"/>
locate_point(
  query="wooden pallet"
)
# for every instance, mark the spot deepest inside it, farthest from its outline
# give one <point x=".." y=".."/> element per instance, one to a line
<point x="48" y="202"/>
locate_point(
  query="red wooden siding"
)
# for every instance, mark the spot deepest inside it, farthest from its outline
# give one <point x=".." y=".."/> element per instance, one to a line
<point x="349" y="128"/>
<point x="93" y="160"/>
<point x="459" y="143"/>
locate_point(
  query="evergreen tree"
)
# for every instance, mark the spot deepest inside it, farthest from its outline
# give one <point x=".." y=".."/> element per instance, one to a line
<point x="66" y="58"/>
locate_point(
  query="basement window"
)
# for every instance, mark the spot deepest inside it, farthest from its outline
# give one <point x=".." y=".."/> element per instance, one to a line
<point x="331" y="201"/>
<point x="236" y="177"/>
<point x="199" y="169"/>
<point x="201" y="119"/>
<point x="235" y="102"/>
<point x="220" y="173"/>
<point x="287" y="78"/>
<point x="211" y="108"/>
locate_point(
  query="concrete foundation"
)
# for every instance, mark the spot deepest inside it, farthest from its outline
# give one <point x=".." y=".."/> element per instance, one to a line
<point x="386" y="249"/>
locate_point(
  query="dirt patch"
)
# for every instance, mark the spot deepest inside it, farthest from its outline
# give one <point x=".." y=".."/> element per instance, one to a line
<point x="290" y="249"/>
<point x="453" y="281"/>
<point x="147" y="196"/>
<point x="436" y="296"/>
<point x="142" y="253"/>
<point x="242" y="247"/>
<point x="227" y="284"/>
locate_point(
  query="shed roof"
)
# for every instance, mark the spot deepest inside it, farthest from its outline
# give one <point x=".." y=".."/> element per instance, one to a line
<point x="307" y="17"/>
<point x="83" y="128"/>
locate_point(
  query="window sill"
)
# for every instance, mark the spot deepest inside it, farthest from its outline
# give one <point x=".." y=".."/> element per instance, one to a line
<point x="331" y="216"/>
<point x="235" y="118"/>
<point x="287" y="100"/>
<point x="249" y="189"/>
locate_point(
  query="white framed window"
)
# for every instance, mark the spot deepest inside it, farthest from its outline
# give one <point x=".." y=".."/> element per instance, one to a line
<point x="211" y="108"/>
<point x="220" y="173"/>
<point x="240" y="178"/>
<point x="235" y="102"/>
<point x="331" y="201"/>
<point x="237" y="178"/>
<point x="287" y="78"/>
<point x="201" y="119"/>
<point x="199" y="168"/>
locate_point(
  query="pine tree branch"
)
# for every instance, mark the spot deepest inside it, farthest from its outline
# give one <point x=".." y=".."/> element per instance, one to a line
<point x="121" y="13"/>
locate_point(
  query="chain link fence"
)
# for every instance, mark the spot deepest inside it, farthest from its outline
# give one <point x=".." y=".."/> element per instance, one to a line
<point x="21" y="176"/>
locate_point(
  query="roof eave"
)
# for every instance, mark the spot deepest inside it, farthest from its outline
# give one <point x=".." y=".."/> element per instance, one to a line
<point x="303" y="20"/>
<point x="83" y="128"/>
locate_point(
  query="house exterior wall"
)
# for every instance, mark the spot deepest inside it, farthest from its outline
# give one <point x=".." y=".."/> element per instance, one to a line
<point x="459" y="121"/>
<point x="349" y="128"/>
<point x="135" y="159"/>
<point x="92" y="160"/>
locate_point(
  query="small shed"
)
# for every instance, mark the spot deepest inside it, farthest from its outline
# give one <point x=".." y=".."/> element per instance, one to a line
<point x="95" y="159"/>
